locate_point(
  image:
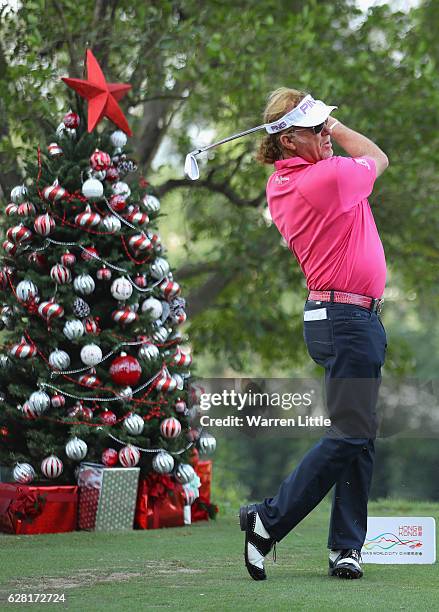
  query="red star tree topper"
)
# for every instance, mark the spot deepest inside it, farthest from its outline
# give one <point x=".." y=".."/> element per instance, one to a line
<point x="102" y="97"/>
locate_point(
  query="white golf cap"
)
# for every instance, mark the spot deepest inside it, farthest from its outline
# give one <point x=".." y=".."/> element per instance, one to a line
<point x="307" y="113"/>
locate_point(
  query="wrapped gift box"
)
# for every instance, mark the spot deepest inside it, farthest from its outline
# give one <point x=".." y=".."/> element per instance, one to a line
<point x="107" y="497"/>
<point x="160" y="503"/>
<point x="28" y="509"/>
<point x="204" y="472"/>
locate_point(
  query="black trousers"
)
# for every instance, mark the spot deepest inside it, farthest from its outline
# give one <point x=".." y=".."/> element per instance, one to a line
<point x="350" y="343"/>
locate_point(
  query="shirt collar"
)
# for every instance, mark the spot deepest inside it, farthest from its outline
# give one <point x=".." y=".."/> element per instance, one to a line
<point x="290" y="162"/>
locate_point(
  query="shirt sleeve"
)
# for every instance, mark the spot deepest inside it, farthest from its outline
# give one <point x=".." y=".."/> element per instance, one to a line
<point x="338" y="183"/>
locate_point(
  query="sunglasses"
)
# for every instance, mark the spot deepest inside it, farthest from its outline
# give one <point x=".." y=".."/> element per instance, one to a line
<point x="315" y="128"/>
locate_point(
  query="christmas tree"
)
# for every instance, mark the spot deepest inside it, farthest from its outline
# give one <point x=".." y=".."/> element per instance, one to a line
<point x="92" y="365"/>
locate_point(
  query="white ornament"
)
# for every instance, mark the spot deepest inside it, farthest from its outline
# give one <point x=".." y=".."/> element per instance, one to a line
<point x="92" y="189"/>
<point x="26" y="289"/>
<point x="121" y="288"/>
<point x="153" y="308"/>
<point x="148" y="352"/>
<point x="118" y="139"/>
<point x="160" y="335"/>
<point x="84" y="284"/>
<point x="19" y="194"/>
<point x="178" y="380"/>
<point x="151" y="204"/>
<point x="121" y="188"/>
<point x="91" y="354"/>
<point x="73" y="329"/>
<point x="39" y="401"/>
<point x="23" y="473"/>
<point x="207" y="443"/>
<point x="76" y="449"/>
<point x="59" y="360"/>
<point x="184" y="473"/>
<point x="163" y="463"/>
<point x="111" y="224"/>
<point x="52" y="467"/>
<point x="159" y="268"/>
<point x="134" y="424"/>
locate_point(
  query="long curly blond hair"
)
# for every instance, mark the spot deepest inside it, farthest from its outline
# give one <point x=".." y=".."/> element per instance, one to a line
<point x="280" y="101"/>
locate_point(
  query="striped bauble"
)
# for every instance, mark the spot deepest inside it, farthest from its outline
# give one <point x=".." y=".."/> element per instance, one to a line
<point x="88" y="218"/>
<point x="169" y="289"/>
<point x="26" y="209"/>
<point x="166" y="383"/>
<point x="44" y="224"/>
<point x="50" y="310"/>
<point x="137" y="217"/>
<point x="23" y="350"/>
<point x="11" y="209"/>
<point x="129" y="456"/>
<point x="100" y="160"/>
<point x="140" y="242"/>
<point x="170" y="427"/>
<point x="52" y="467"/>
<point x="54" y="192"/>
<point x="124" y="316"/>
<point x="18" y="234"/>
<point x="60" y="274"/>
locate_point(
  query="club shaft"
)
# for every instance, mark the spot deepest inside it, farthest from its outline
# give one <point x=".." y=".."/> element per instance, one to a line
<point x="220" y="142"/>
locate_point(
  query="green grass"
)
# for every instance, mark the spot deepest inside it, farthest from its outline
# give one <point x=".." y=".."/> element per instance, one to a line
<point x="201" y="568"/>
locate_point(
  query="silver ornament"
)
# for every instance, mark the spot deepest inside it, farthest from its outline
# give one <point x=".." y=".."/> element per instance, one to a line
<point x="118" y="139"/>
<point x="91" y="354"/>
<point x="59" y="360"/>
<point x="111" y="224"/>
<point x="160" y="335"/>
<point x="84" y="284"/>
<point x="163" y="463"/>
<point x="153" y="308"/>
<point x="148" y="352"/>
<point x="76" y="449"/>
<point x="5" y="362"/>
<point x="151" y="204"/>
<point x="98" y="174"/>
<point x="121" y="288"/>
<point x="39" y="401"/>
<point x="23" y="473"/>
<point x="207" y="443"/>
<point x="122" y="189"/>
<point x="126" y="394"/>
<point x="92" y="189"/>
<point x="73" y="329"/>
<point x="19" y="194"/>
<point x="26" y="289"/>
<point x="178" y="380"/>
<point x="62" y="130"/>
<point x="184" y="473"/>
<point x="134" y="424"/>
<point x="159" y="268"/>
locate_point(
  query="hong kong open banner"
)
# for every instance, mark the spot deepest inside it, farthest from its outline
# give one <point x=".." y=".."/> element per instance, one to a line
<point x="400" y="539"/>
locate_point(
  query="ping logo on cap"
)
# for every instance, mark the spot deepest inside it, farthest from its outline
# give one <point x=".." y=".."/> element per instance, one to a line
<point x="307" y="105"/>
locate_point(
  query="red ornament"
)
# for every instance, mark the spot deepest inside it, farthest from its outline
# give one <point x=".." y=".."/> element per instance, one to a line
<point x="9" y="247"/>
<point x="169" y="289"/>
<point x="102" y="97"/>
<point x="124" y="316"/>
<point x="137" y="217"/>
<point x="110" y="457"/>
<point x="125" y="370"/>
<point x="71" y="120"/>
<point x="100" y="160"/>
<point x="88" y="253"/>
<point x="89" y="380"/>
<point x="11" y="209"/>
<point x="117" y="202"/>
<point x="19" y="234"/>
<point x="4" y="283"/>
<point x="170" y="428"/>
<point x="112" y="174"/>
<point x="108" y="417"/>
<point x="141" y="281"/>
<point x="37" y="259"/>
<point x="80" y="412"/>
<point x="103" y="274"/>
<point x="4" y="432"/>
<point x="54" y="192"/>
<point x="92" y="327"/>
<point x="60" y="274"/>
<point x="140" y="242"/>
<point x="58" y="400"/>
<point x="88" y="218"/>
<point x="68" y="259"/>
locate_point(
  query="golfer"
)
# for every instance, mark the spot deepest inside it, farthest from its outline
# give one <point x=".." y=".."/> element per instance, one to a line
<point x="319" y="204"/>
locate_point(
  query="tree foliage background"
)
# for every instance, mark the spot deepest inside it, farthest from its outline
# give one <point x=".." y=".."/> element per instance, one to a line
<point x="203" y="70"/>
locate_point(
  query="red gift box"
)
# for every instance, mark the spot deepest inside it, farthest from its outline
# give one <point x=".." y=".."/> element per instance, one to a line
<point x="160" y="503"/>
<point x="204" y="472"/>
<point x="30" y="509"/>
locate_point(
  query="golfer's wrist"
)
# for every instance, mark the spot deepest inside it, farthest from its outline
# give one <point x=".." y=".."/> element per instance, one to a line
<point x="334" y="125"/>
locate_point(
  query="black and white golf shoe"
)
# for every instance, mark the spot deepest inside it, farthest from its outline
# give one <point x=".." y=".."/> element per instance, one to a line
<point x="257" y="544"/>
<point x="345" y="563"/>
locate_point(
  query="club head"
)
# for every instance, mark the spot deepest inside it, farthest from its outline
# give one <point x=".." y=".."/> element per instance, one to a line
<point x="191" y="167"/>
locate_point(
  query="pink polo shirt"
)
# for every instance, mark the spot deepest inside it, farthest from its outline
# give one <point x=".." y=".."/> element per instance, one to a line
<point x="321" y="210"/>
